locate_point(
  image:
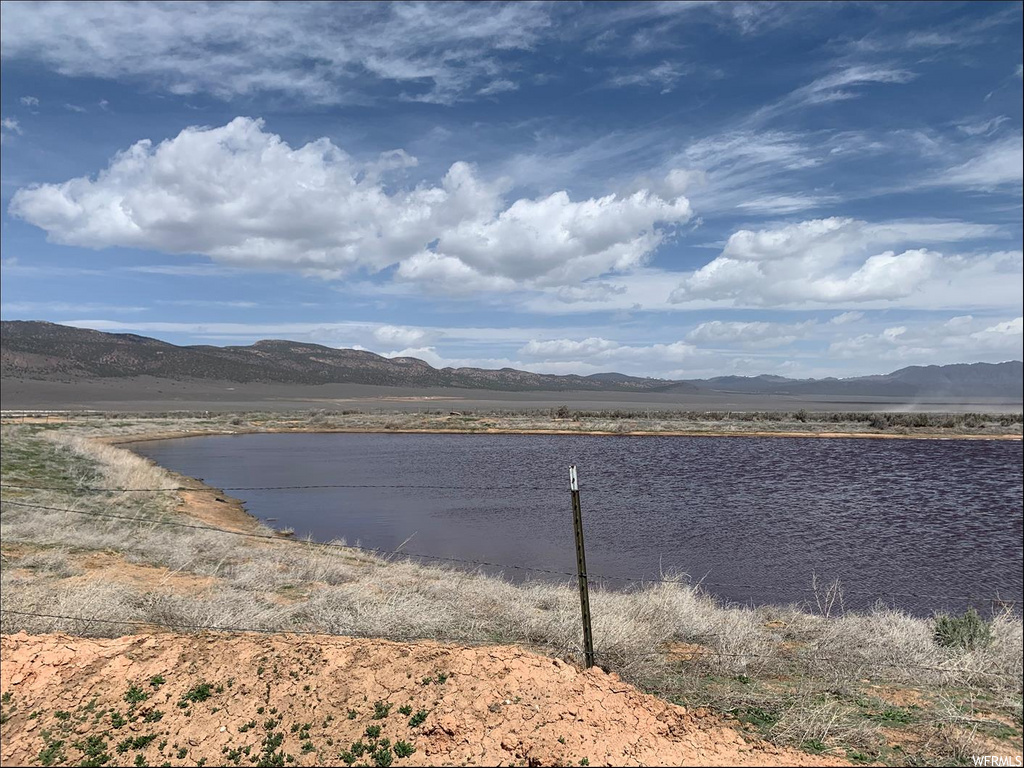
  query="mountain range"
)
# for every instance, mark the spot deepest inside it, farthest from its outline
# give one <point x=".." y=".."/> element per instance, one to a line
<point x="45" y="351"/>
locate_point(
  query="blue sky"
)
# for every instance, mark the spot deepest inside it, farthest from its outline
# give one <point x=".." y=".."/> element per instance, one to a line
<point x="665" y="189"/>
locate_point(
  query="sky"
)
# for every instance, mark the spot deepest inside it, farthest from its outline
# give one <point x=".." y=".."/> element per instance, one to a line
<point x="676" y="190"/>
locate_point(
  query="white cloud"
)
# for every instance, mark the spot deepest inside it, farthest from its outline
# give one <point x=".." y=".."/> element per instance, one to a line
<point x="604" y="354"/>
<point x="567" y="349"/>
<point x="29" y="101"/>
<point x="845" y="318"/>
<point x="841" y="85"/>
<point x="982" y="127"/>
<point x="590" y="292"/>
<point x="955" y="340"/>
<point x="401" y="335"/>
<point x="36" y="307"/>
<point x="662" y="76"/>
<point x="782" y="204"/>
<point x="438" y="53"/>
<point x="9" y="126"/>
<point x="495" y="87"/>
<point x="759" y="334"/>
<point x="245" y="198"/>
<point x="1000" y="163"/>
<point x="833" y="261"/>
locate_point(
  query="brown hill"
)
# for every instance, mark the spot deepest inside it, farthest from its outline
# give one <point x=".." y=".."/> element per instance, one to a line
<point x="48" y="352"/>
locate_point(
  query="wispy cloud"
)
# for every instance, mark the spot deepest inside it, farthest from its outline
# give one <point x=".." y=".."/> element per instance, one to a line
<point x="441" y="52"/>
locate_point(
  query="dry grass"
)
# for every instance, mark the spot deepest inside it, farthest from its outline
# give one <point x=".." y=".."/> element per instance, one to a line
<point x="797" y="670"/>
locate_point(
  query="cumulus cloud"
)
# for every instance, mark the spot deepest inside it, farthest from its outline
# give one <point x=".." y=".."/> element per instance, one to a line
<point x="400" y="335"/>
<point x="829" y="261"/>
<point x="759" y="334"/>
<point x="960" y="338"/>
<point x="244" y="197"/>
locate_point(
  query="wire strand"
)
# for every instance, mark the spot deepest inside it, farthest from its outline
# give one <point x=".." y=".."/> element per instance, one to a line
<point x="509" y="566"/>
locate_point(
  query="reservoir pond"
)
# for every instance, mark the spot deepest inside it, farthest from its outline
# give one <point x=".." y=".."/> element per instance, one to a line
<point x="924" y="525"/>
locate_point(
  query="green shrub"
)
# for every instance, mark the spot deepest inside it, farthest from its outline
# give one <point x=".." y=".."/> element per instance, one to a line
<point x="965" y="632"/>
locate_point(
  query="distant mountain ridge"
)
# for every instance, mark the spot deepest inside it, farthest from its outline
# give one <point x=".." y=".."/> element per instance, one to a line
<point x="51" y="352"/>
<point x="47" y="351"/>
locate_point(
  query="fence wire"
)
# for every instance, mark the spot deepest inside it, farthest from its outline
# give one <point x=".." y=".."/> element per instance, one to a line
<point x="751" y="588"/>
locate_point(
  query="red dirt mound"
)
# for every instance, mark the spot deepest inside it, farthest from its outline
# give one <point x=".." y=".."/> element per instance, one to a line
<point x="313" y="700"/>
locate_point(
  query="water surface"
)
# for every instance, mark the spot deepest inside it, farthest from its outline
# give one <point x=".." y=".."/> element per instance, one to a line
<point x="917" y="523"/>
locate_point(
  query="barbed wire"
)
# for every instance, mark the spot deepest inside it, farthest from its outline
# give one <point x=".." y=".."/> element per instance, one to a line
<point x="175" y="489"/>
<point x="701" y="583"/>
<point x="271" y="537"/>
<point x="696" y="653"/>
<point x="355" y="633"/>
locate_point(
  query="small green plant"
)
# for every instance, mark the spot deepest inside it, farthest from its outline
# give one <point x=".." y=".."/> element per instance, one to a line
<point x="382" y="757"/>
<point x="347" y="757"/>
<point x="62" y="714"/>
<point x="757" y="717"/>
<point x="135" y="695"/>
<point x="895" y="716"/>
<point x="405" y="709"/>
<point x="358" y="748"/>
<point x="6" y="698"/>
<point x="156" y="681"/>
<point x="117" y="720"/>
<point x="381" y="710"/>
<point x="199" y="692"/>
<point x="442" y="678"/>
<point x="352" y="714"/>
<point x="307" y="747"/>
<point x="418" y="718"/>
<point x="966" y="632"/>
<point x="52" y="753"/>
<point x="815" y="746"/>
<point x="372" y="732"/>
<point x="94" y="751"/>
<point x="404" y="748"/>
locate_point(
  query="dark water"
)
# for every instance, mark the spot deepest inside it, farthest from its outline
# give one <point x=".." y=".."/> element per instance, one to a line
<point x="917" y="523"/>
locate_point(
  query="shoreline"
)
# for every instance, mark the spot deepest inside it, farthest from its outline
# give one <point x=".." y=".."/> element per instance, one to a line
<point x="174" y="435"/>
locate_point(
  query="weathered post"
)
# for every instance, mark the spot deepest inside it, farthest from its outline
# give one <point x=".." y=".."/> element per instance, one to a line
<point x="581" y="568"/>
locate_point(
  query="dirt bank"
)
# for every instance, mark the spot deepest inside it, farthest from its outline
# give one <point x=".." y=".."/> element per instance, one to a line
<point x="224" y="699"/>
